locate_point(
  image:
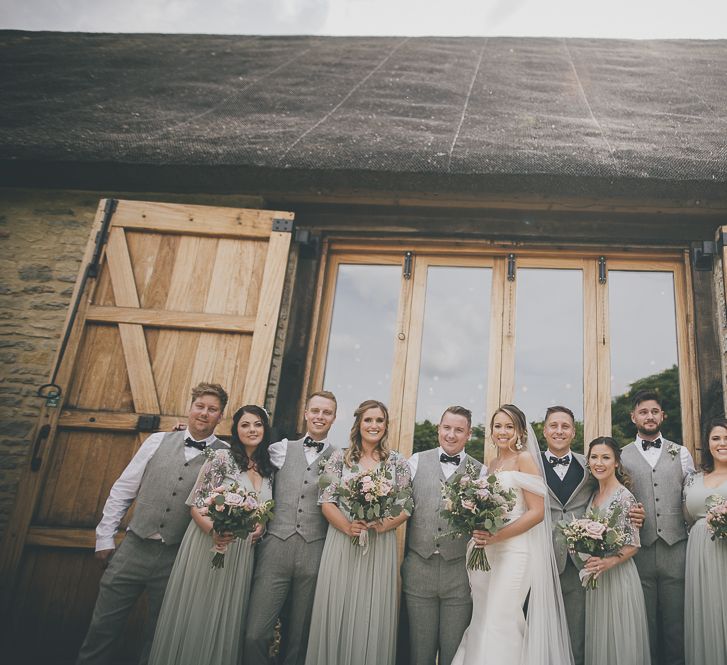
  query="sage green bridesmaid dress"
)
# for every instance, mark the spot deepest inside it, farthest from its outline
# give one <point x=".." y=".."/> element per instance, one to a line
<point x="202" y="617"/>
<point x="616" y="628"/>
<point x="705" y="583"/>
<point x="354" y="619"/>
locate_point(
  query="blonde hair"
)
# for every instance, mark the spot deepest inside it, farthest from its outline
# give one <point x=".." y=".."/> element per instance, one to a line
<point x="355" y="450"/>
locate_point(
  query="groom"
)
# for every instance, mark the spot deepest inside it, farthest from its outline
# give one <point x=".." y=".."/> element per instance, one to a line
<point x="657" y="468"/>
<point x="434" y="574"/>
<point x="288" y="557"/>
<point x="570" y="487"/>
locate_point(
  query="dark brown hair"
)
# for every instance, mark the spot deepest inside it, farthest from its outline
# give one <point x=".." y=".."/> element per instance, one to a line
<point x="558" y="409"/>
<point x="645" y="396"/>
<point x="707" y="457"/>
<point x="261" y="456"/>
<point x="621" y="475"/>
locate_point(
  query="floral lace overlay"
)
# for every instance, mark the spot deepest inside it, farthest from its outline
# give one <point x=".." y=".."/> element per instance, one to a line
<point x="219" y="469"/>
<point x="690" y="480"/>
<point x="625" y="501"/>
<point x="336" y="470"/>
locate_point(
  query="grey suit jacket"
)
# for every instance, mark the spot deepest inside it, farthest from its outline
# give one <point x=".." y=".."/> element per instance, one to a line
<point x="574" y="507"/>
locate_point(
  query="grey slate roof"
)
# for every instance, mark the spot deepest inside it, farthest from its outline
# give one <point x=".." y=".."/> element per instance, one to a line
<point x="432" y="106"/>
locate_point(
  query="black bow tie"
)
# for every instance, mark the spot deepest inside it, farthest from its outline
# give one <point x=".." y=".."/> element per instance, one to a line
<point x="555" y="461"/>
<point x="656" y="443"/>
<point x="189" y="442"/>
<point x="447" y="459"/>
<point x="311" y="443"/>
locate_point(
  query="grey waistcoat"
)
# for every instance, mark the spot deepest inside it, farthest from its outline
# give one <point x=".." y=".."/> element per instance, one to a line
<point x="167" y="481"/>
<point x="296" y="496"/>
<point x="426" y="527"/>
<point x="660" y="490"/>
<point x="574" y="507"/>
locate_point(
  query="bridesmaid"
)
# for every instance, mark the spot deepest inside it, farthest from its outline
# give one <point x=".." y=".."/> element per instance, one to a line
<point x="616" y="628"/>
<point x="204" y="609"/>
<point x="355" y="608"/>
<point x="705" y="611"/>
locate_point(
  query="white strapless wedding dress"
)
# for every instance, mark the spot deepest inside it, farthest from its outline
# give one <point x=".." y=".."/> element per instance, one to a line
<point x="498" y="633"/>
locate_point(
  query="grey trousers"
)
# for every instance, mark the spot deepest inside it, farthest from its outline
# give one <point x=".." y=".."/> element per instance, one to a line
<point x="138" y="565"/>
<point x="574" y="599"/>
<point x="439" y="606"/>
<point x="284" y="570"/>
<point x="661" y="569"/>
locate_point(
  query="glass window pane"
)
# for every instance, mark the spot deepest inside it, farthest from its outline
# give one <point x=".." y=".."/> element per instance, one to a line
<point x="642" y="318"/>
<point x="361" y="343"/>
<point x="549" y="345"/>
<point x="455" y="348"/>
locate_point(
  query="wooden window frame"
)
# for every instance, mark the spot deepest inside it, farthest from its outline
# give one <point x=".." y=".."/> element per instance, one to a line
<point x="501" y="367"/>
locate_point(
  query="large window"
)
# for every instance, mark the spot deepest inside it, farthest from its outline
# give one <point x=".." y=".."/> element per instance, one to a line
<point x="425" y="327"/>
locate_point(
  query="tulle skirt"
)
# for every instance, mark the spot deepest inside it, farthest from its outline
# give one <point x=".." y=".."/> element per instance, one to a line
<point x="616" y="628"/>
<point x="705" y="609"/>
<point x="354" y="618"/>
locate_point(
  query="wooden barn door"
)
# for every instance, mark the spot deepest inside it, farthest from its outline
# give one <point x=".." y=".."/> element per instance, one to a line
<point x="181" y="294"/>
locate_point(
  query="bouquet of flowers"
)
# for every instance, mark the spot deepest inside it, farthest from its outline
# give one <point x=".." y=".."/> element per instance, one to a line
<point x="471" y="503"/>
<point x="237" y="511"/>
<point x="593" y="535"/>
<point x="370" y="496"/>
<point x="717" y="517"/>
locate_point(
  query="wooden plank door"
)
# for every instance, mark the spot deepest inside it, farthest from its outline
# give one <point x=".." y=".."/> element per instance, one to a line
<point x="183" y="294"/>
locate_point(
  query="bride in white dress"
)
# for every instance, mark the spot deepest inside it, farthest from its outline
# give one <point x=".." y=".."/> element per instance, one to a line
<point x="522" y="562"/>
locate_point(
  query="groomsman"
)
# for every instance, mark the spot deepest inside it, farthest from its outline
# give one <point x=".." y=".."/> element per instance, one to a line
<point x="434" y="574"/>
<point x="288" y="556"/>
<point x="657" y="468"/>
<point x="159" y="477"/>
<point x="570" y="487"/>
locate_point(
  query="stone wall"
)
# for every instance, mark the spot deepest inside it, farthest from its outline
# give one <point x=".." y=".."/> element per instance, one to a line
<point x="43" y="238"/>
<point x="43" y="234"/>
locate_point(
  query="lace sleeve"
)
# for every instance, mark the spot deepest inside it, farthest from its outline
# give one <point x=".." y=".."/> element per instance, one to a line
<point x="402" y="478"/>
<point x="688" y="484"/>
<point x="626" y="502"/>
<point x="211" y="475"/>
<point x="330" y="478"/>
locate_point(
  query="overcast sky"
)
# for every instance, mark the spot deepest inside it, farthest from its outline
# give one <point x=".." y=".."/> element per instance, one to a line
<point x="706" y="19"/>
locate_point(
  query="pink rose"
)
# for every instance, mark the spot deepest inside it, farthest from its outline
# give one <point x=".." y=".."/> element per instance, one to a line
<point x="468" y="505"/>
<point x="595" y="530"/>
<point x="251" y="503"/>
<point x="233" y="499"/>
<point x="208" y="501"/>
<point x="219" y="490"/>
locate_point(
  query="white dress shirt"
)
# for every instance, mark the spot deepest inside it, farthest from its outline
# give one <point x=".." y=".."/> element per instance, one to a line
<point x="651" y="455"/>
<point x="279" y="449"/>
<point x="560" y="469"/>
<point x="447" y="468"/>
<point x="126" y="488"/>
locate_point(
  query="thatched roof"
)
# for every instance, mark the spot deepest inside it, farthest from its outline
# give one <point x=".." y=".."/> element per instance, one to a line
<point x="439" y="108"/>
